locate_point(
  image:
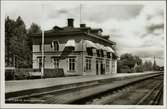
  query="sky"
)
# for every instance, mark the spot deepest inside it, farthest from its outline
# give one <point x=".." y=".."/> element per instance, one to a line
<point x="136" y="28"/>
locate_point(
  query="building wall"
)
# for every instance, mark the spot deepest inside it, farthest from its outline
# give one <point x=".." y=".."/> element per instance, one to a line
<point x="79" y="52"/>
<point x="114" y="66"/>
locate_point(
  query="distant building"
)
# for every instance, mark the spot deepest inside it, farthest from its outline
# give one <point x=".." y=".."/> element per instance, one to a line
<point x="78" y="50"/>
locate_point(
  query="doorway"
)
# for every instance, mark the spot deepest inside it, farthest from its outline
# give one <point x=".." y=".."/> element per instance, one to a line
<point x="97" y="67"/>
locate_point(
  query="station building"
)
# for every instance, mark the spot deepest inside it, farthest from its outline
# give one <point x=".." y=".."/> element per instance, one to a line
<point x="77" y="50"/>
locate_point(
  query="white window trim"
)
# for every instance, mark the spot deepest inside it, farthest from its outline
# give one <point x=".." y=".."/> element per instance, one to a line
<point x="53" y="45"/>
<point x="74" y="64"/>
<point x="56" y="63"/>
<point x="41" y="62"/>
<point x="88" y="64"/>
<point x="107" y="65"/>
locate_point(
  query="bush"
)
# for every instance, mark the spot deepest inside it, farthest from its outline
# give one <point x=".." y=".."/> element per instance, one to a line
<point x="52" y="73"/>
<point x="125" y="69"/>
<point x="139" y="68"/>
<point x="9" y="74"/>
<point x="21" y="74"/>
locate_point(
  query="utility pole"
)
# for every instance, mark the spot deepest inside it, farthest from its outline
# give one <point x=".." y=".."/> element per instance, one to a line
<point x="42" y="68"/>
<point x="14" y="64"/>
<point x="80" y="13"/>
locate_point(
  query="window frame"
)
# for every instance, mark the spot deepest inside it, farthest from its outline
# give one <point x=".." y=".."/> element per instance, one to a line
<point x="89" y="51"/>
<point x="88" y="64"/>
<point x="98" y="53"/>
<point x="71" y="64"/>
<point x="40" y="61"/>
<point x="56" y="63"/>
<point x="108" y="55"/>
<point x="107" y="65"/>
<point x="55" y="45"/>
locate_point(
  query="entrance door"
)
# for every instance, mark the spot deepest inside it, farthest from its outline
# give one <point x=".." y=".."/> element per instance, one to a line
<point x="102" y="67"/>
<point x="97" y="67"/>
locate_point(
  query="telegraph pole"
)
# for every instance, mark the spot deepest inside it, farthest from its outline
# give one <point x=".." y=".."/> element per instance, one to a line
<point x="80" y="13"/>
<point x="42" y="68"/>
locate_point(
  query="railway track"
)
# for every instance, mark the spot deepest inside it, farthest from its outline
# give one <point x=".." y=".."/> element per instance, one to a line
<point x="76" y="95"/>
<point x="153" y="96"/>
<point x="147" y="92"/>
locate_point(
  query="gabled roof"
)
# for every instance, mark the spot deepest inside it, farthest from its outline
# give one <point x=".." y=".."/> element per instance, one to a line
<point x="75" y="31"/>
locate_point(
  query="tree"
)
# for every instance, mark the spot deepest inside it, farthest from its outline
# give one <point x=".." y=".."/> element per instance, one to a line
<point x="10" y="30"/>
<point x="34" y="28"/>
<point x="128" y="60"/>
<point x="139" y="68"/>
<point x="154" y="65"/>
<point x="129" y="64"/>
<point x="138" y="60"/>
<point x="16" y="41"/>
<point x="147" y="66"/>
<point x="22" y="41"/>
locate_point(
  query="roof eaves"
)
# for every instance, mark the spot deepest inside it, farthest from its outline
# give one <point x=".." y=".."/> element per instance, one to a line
<point x="59" y="33"/>
<point x="109" y="41"/>
<point x="96" y="29"/>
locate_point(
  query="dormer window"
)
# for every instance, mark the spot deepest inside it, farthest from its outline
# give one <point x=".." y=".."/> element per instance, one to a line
<point x="89" y="51"/>
<point x="99" y="32"/>
<point x="55" y="45"/>
<point x="98" y="53"/>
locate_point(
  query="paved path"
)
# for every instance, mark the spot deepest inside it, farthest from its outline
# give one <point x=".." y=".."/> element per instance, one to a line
<point x="18" y="85"/>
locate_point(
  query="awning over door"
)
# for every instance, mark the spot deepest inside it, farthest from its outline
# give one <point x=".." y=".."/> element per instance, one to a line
<point x="89" y="44"/>
<point x="109" y="49"/>
<point x="99" y="46"/>
<point x="70" y="43"/>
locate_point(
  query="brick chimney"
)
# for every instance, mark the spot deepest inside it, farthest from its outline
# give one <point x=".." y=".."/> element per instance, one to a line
<point x="70" y="22"/>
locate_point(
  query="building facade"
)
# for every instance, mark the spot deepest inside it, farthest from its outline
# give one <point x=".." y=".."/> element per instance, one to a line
<point x="77" y="50"/>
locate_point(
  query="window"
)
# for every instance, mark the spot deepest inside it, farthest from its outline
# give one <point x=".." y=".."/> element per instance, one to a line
<point x="108" y="55"/>
<point x="89" y="51"/>
<point x="71" y="64"/>
<point x="56" y="63"/>
<point x="113" y="65"/>
<point x="107" y="65"/>
<point x="102" y="53"/>
<point x="98" y="53"/>
<point x="40" y="62"/>
<point x="88" y="64"/>
<point x="99" y="32"/>
<point x="55" y="45"/>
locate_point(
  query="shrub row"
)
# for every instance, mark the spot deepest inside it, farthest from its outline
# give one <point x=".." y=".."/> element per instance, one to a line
<point x="21" y="74"/>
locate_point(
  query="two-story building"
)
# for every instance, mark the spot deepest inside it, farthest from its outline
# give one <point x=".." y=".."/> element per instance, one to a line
<point x="78" y="50"/>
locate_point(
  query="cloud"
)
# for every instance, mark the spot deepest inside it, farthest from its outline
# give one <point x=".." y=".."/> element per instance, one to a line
<point x="101" y="13"/>
<point x="28" y="11"/>
<point x="142" y="35"/>
<point x="137" y="29"/>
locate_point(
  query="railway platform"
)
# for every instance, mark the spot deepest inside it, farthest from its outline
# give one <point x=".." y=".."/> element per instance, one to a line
<point x="22" y="85"/>
<point x="63" y="90"/>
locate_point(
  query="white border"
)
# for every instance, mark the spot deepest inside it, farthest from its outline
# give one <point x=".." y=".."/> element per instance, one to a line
<point x="78" y="106"/>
